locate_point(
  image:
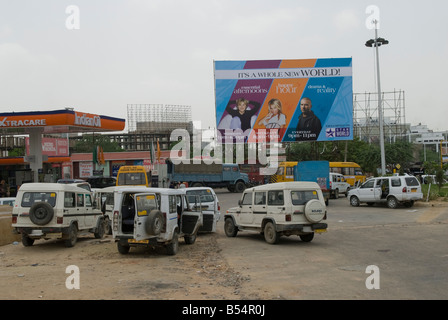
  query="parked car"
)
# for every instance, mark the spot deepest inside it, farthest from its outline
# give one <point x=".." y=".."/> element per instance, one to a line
<point x="277" y="209"/>
<point x="210" y="206"/>
<point x="154" y="217"/>
<point x="392" y="190"/>
<point x="9" y="201"/>
<point x="101" y="182"/>
<point x="55" y="210"/>
<point x="338" y="185"/>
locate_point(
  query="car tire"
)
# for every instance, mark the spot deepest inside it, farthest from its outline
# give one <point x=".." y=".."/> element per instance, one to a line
<point x="123" y="248"/>
<point x="271" y="235"/>
<point x="354" y="201"/>
<point x="240" y="187"/>
<point x="190" y="239"/>
<point x="27" y="241"/>
<point x="307" y="237"/>
<point x="173" y="247"/>
<point x="409" y="204"/>
<point x="72" y="236"/>
<point x="229" y="228"/>
<point x="41" y="213"/>
<point x="154" y="223"/>
<point x="392" y="203"/>
<point x="100" y="230"/>
<point x="336" y="194"/>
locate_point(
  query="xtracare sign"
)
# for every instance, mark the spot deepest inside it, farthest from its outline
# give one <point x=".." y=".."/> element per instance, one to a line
<point x="20" y="123"/>
<point x="61" y="120"/>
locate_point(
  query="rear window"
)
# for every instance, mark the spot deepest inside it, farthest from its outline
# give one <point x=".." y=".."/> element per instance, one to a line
<point x="206" y="195"/>
<point x="299" y="198"/>
<point x="412" y="181"/>
<point x="29" y="198"/>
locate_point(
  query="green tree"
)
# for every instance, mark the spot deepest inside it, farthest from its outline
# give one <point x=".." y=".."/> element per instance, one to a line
<point x="88" y="141"/>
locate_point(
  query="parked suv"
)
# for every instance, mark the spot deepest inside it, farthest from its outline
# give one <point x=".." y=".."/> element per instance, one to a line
<point x="154" y="217"/>
<point x="285" y="208"/>
<point x="338" y="185"/>
<point x="393" y="191"/>
<point x="55" y="210"/>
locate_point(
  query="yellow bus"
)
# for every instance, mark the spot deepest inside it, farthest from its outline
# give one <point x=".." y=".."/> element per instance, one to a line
<point x="350" y="170"/>
<point x="285" y="172"/>
<point x="132" y="176"/>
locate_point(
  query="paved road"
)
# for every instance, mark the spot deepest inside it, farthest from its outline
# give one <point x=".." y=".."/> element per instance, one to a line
<point x="407" y="246"/>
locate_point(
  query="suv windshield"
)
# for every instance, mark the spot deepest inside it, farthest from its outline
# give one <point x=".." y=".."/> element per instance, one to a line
<point x="29" y="198"/>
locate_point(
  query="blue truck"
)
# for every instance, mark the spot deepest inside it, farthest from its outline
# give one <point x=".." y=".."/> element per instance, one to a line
<point x="315" y="171"/>
<point x="212" y="175"/>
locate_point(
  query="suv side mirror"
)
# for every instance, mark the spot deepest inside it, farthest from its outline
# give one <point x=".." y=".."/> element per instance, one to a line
<point x="240" y="203"/>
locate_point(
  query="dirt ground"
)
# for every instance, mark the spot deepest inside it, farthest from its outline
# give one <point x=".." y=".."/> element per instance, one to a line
<point x="198" y="271"/>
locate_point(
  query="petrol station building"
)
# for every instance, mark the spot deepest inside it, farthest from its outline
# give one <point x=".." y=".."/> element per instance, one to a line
<point x="39" y="124"/>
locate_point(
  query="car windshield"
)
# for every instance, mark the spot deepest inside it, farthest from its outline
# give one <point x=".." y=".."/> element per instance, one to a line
<point x="206" y="195"/>
<point x="29" y="198"/>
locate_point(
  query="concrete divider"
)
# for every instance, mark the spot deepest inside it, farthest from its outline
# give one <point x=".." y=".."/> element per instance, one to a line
<point x="6" y="235"/>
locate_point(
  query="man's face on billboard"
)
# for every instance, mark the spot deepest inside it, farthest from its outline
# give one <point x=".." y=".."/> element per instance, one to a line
<point x="305" y="106"/>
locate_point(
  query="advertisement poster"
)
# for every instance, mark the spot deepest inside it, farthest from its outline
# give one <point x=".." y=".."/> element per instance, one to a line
<point x="293" y="100"/>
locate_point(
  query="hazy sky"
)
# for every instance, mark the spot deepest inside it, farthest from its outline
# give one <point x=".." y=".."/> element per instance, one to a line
<point x="162" y="51"/>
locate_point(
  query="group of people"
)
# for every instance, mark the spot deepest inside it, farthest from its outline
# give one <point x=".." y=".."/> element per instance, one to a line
<point x="178" y="185"/>
<point x="308" y="127"/>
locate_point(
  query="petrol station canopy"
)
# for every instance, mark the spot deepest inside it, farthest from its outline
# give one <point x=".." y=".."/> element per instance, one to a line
<point x="38" y="123"/>
<point x="57" y="121"/>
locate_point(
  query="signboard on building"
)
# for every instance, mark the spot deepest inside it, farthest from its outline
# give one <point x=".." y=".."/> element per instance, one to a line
<point x="51" y="146"/>
<point x="292" y="100"/>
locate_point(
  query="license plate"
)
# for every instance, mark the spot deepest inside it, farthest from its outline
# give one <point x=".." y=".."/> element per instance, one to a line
<point x="413" y="190"/>
<point x="138" y="241"/>
<point x="320" y="230"/>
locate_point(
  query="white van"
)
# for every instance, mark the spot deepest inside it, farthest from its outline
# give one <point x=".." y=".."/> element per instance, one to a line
<point x="338" y="185"/>
<point x="210" y="206"/>
<point x="154" y="217"/>
<point x="55" y="210"/>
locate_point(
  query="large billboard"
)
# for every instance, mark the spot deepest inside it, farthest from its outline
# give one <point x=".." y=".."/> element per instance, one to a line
<point x="294" y="100"/>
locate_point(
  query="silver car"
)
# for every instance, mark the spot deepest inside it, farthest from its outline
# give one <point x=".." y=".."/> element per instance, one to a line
<point x="392" y="190"/>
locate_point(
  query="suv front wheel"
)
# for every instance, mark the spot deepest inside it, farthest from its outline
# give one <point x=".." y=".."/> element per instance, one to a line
<point x="229" y="228"/>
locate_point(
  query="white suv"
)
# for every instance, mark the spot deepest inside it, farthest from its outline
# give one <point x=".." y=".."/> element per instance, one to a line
<point x="55" y="210"/>
<point x="391" y="190"/>
<point x="285" y="208"/>
<point x="154" y="217"/>
<point x="338" y="185"/>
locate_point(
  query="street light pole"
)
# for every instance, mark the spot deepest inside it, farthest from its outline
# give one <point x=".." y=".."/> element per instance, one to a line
<point x="378" y="42"/>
